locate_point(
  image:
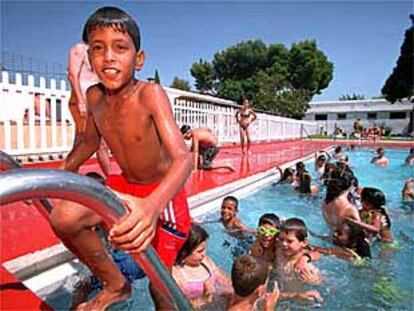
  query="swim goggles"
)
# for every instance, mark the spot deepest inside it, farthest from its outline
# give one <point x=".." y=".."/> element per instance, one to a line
<point x="268" y="231"/>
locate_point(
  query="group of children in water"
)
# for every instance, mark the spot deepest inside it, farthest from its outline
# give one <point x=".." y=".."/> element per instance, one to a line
<point x="281" y="249"/>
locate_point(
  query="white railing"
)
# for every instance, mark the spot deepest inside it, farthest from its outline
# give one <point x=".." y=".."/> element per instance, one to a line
<point x="42" y="124"/>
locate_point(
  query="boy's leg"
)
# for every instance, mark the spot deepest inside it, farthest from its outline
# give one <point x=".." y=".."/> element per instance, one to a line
<point x="75" y="224"/>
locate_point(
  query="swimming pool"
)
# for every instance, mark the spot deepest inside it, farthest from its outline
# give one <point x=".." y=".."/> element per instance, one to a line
<point x="385" y="285"/>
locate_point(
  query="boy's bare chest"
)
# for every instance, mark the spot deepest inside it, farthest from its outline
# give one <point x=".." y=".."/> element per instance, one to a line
<point x="123" y="124"/>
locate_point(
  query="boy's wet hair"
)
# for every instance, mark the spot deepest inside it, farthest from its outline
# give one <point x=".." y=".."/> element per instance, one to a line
<point x="247" y="274"/>
<point x="98" y="177"/>
<point x="337" y="182"/>
<point x="300" y="165"/>
<point x="196" y="236"/>
<point x="373" y="196"/>
<point x="297" y="226"/>
<point x="270" y="219"/>
<point x="115" y="18"/>
<point x="338" y="149"/>
<point x="232" y="198"/>
<point x="185" y="128"/>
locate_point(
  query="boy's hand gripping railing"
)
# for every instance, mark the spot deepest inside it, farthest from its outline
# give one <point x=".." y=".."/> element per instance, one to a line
<point x="18" y="185"/>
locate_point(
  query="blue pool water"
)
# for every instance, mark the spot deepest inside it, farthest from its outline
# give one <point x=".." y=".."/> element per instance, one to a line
<point x="386" y="284"/>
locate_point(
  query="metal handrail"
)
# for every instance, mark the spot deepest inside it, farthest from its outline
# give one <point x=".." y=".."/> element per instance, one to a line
<point x="43" y="206"/>
<point x="17" y="185"/>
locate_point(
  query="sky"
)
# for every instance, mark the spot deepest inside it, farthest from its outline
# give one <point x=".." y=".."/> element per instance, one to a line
<point x="361" y="38"/>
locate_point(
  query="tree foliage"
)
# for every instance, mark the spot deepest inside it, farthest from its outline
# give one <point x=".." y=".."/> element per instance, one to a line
<point x="400" y="84"/>
<point x="204" y="72"/>
<point x="352" y="96"/>
<point x="275" y="78"/>
<point x="157" y="77"/>
<point x="181" y="84"/>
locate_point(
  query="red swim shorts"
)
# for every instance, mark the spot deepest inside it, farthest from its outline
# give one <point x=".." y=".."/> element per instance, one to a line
<point x="174" y="223"/>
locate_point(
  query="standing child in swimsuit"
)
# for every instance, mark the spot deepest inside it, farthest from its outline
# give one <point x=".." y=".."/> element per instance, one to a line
<point x="245" y="116"/>
<point x="196" y="274"/>
<point x="136" y="121"/>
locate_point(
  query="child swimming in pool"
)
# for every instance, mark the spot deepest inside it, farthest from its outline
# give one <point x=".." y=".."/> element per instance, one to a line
<point x="408" y="192"/>
<point x="352" y="243"/>
<point x="229" y="219"/>
<point x="375" y="219"/>
<point x="293" y="244"/>
<point x="196" y="274"/>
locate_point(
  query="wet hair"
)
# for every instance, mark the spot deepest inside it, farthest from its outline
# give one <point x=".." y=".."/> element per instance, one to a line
<point x="358" y="241"/>
<point x="197" y="236"/>
<point x="247" y="274"/>
<point x="185" y="128"/>
<point x="338" y="181"/>
<point x="232" y="198"/>
<point x="288" y="172"/>
<point x="373" y="196"/>
<point x="338" y="149"/>
<point x="115" y="18"/>
<point x="304" y="183"/>
<point x="321" y="157"/>
<point x="270" y="219"/>
<point x="98" y="177"/>
<point x="380" y="150"/>
<point x="412" y="150"/>
<point x="300" y="166"/>
<point x="297" y="226"/>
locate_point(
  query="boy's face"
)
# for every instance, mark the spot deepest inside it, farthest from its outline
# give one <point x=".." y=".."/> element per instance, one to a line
<point x="228" y="210"/>
<point x="197" y="255"/>
<point x="267" y="235"/>
<point x="187" y="135"/>
<point x="290" y="243"/>
<point x="113" y="57"/>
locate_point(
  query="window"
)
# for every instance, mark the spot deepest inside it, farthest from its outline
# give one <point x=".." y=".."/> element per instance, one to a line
<point x="321" y="117"/>
<point x="372" y="115"/>
<point x="341" y="116"/>
<point x="398" y="115"/>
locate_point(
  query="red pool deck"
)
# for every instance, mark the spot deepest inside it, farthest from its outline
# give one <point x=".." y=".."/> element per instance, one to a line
<point x="24" y="230"/>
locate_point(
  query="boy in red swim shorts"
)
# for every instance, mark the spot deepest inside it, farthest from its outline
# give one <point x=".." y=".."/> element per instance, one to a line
<point x="137" y="123"/>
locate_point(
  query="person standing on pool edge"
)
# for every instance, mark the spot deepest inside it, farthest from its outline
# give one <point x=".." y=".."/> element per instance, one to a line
<point x="136" y="121"/>
<point x="245" y="116"/>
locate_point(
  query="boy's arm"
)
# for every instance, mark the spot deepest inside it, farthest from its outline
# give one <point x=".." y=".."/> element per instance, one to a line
<point x="76" y="59"/>
<point x="195" y="153"/>
<point x="90" y="143"/>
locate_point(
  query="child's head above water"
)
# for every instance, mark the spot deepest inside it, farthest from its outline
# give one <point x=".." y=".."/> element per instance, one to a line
<point x="248" y="274"/>
<point x="372" y="198"/>
<point x="268" y="228"/>
<point x="229" y="207"/>
<point x="352" y="236"/>
<point x="197" y="237"/>
<point x="115" y="18"/>
<point x="293" y="236"/>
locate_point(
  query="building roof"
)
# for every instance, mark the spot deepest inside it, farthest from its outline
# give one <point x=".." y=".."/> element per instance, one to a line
<point x="368" y="105"/>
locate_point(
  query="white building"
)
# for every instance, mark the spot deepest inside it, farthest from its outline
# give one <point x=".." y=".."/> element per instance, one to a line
<point x="370" y="111"/>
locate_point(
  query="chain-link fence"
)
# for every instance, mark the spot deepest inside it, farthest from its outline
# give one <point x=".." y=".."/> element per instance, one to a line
<point x="27" y="65"/>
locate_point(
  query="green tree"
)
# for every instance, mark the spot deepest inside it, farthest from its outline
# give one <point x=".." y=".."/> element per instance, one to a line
<point x="203" y="73"/>
<point x="352" y="96"/>
<point x="400" y="84"/>
<point x="275" y="78"/>
<point x="157" y="77"/>
<point x="181" y="84"/>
